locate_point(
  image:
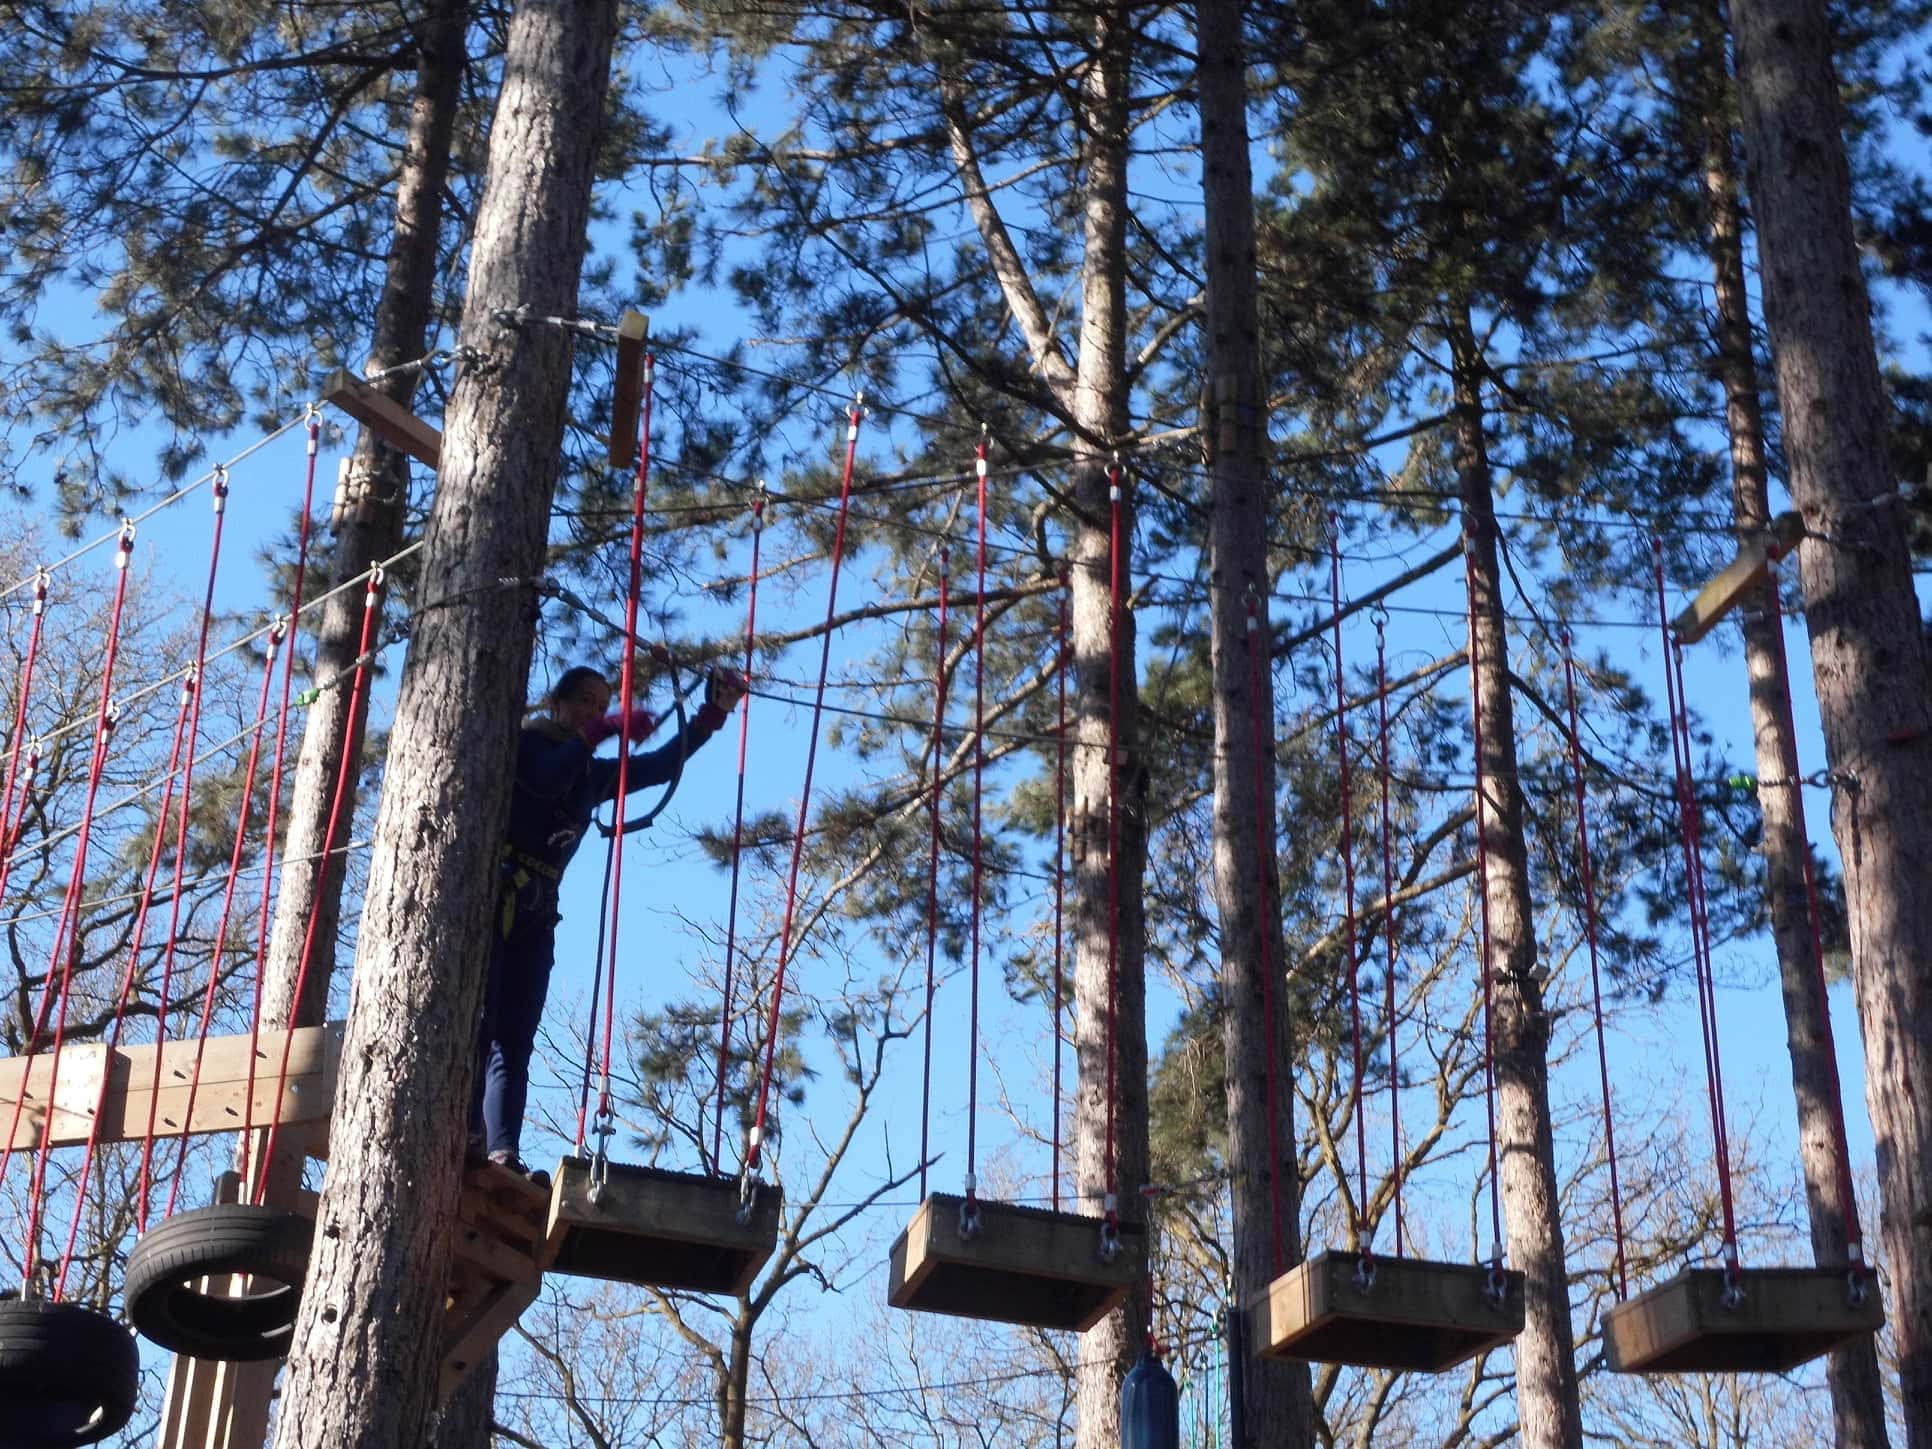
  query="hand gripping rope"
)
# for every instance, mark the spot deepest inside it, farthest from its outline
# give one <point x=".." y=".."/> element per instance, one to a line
<point x="605" y="1124"/>
<point x="755" y="1148"/>
<point x="67" y="933"/>
<point x="940" y="677"/>
<point x="1689" y="831"/>
<point x="1364" y="1236"/>
<point x="1590" y="933"/>
<point x="969" y="1205"/>
<point x="1497" y="1283"/>
<point x="1110" y="1203"/>
<point x="1262" y="699"/>
<point x="738" y="834"/>
<point x="1381" y="617"/>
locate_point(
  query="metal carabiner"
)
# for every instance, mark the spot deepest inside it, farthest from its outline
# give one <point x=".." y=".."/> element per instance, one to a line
<point x="603" y="1129"/>
<point x="1365" y="1273"/>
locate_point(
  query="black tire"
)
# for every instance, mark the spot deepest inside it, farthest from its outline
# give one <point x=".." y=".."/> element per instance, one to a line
<point x="68" y="1375"/>
<point x="166" y="1300"/>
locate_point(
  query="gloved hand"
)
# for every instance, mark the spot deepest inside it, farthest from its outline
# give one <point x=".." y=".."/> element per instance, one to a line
<point x="724" y="688"/>
<point x="642" y="723"/>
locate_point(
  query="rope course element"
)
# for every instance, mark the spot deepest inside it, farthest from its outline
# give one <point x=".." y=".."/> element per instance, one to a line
<point x="1116" y="600"/>
<point x="9" y="831"/>
<point x="1380" y="619"/>
<point x="1689" y="832"/>
<point x="1482" y="896"/>
<point x="1587" y="866"/>
<point x="1262" y="702"/>
<point x="1059" y="876"/>
<point x="937" y="798"/>
<point x="969" y="1211"/>
<point x="67" y="934"/>
<point x="754" y="1151"/>
<point x="1346" y="767"/>
<point x="738" y="834"/>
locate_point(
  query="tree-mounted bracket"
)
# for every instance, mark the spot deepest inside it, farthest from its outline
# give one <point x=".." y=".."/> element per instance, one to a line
<point x="388" y="419"/>
<point x="1739" y="578"/>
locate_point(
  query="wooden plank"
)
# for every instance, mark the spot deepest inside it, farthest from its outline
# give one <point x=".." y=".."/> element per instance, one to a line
<point x="120" y="1092"/>
<point x="1025" y="1265"/>
<point x="1412" y="1314"/>
<point x="478" y="1331"/>
<point x="1738" y="579"/>
<point x="659" y="1228"/>
<point x="1783" y="1317"/>
<point x="627" y="389"/>
<point x="395" y="424"/>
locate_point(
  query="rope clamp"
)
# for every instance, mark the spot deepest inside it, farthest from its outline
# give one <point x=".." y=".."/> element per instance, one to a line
<point x="968" y="1217"/>
<point x="1733" y="1295"/>
<point x="1379" y="616"/>
<point x="1365" y="1273"/>
<point x="41" y="578"/>
<point x="1110" y="1233"/>
<point x="126" y="547"/>
<point x="1497" y="1288"/>
<point x="747" y="1195"/>
<point x="603" y="1129"/>
<point x="1856" y="1288"/>
<point x="218" y="486"/>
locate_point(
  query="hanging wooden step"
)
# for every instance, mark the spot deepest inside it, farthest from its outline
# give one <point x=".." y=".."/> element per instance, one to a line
<point x="1408" y="1314"/>
<point x="661" y="1229"/>
<point x="496" y="1265"/>
<point x="627" y="391"/>
<point x="1778" y="1319"/>
<point x="1025" y="1265"/>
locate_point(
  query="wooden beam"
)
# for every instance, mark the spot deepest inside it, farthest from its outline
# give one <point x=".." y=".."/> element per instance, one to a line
<point x="120" y="1092"/>
<point x="1738" y="579"/>
<point x="627" y="391"/>
<point x="395" y="424"/>
<point x="1778" y="1318"/>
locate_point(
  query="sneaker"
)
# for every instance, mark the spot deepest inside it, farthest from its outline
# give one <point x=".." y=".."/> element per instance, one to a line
<point x="535" y="1176"/>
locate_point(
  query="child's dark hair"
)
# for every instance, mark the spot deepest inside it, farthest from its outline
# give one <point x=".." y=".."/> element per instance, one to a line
<point x="571" y="680"/>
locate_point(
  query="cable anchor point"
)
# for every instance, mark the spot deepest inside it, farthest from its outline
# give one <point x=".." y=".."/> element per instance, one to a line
<point x="603" y="1128"/>
<point x="1109" y="1230"/>
<point x="1365" y="1272"/>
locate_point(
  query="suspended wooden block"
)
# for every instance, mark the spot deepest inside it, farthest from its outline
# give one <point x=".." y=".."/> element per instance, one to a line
<point x="388" y="419"/>
<point x="1739" y="578"/>
<point x="1025" y="1265"/>
<point x="1410" y="1314"/>
<point x="496" y="1265"/>
<point x="1779" y="1318"/>
<point x="627" y="391"/>
<point x="660" y="1229"/>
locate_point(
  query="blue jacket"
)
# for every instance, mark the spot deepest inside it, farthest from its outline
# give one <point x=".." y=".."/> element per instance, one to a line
<point x="560" y="783"/>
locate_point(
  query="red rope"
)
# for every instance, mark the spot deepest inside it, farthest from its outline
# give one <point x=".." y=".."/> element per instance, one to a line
<point x="275" y="799"/>
<point x="1348" y="883"/>
<point x="755" y="1151"/>
<point x="7" y="829"/>
<point x="1688" y="830"/>
<point x="344" y="772"/>
<point x="137" y="940"/>
<point x="1596" y="982"/>
<point x="626" y="696"/>
<point x="1115" y="590"/>
<point x="1847" y="1197"/>
<point x="1059" y="882"/>
<point x="1262" y="701"/>
<point x="1482" y="891"/>
<point x="67" y="934"/>
<point x="275" y="637"/>
<point x="979" y="771"/>
<point x="737" y="834"/>
<point x="932" y="875"/>
<point x="1388" y="917"/>
<point x="11" y="828"/>
<point x="219" y="496"/>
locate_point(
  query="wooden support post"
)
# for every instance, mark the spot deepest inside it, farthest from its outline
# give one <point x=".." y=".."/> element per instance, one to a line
<point x="1739" y="579"/>
<point x="627" y="390"/>
<point x="388" y="419"/>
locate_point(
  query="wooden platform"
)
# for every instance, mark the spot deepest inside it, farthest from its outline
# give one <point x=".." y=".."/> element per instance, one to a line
<point x="120" y="1089"/>
<point x="496" y="1265"/>
<point x="1785" y="1317"/>
<point x="1415" y="1314"/>
<point x="660" y="1229"/>
<point x="1026" y="1265"/>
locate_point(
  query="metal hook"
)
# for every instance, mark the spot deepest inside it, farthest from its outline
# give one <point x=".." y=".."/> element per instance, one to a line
<point x="1109" y="1238"/>
<point x="1365" y="1273"/>
<point x="1497" y="1287"/>
<point x="968" y="1218"/>
<point x="747" y="1195"/>
<point x="603" y="1129"/>
<point x="1733" y="1295"/>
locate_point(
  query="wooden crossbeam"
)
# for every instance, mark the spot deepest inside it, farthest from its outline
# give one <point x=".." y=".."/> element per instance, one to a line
<point x="395" y="424"/>
<point x="119" y="1090"/>
<point x="1738" y="579"/>
<point x="627" y="392"/>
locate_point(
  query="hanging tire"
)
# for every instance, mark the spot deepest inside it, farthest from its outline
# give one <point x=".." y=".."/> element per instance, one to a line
<point x="68" y="1375"/>
<point x="178" y="1290"/>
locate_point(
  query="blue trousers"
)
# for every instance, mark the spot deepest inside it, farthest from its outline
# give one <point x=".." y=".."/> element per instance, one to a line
<point x="522" y="951"/>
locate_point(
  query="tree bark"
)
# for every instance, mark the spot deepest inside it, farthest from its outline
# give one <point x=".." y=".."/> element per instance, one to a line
<point x="1261" y="1135"/>
<point x="1100" y="415"/>
<point x="1548" y="1405"/>
<point x="465" y="1420"/>
<point x="363" y="1373"/>
<point x="1857" y="1393"/>
<point x="1868" y="657"/>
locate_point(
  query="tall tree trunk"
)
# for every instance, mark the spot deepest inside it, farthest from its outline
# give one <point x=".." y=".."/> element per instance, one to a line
<point x="1279" y="1412"/>
<point x="1857" y="1393"/>
<point x="368" y="1342"/>
<point x="465" y="1420"/>
<point x="1547" y="1402"/>
<point x="732" y="1394"/>
<point x="1867" y="652"/>
<point x="1100" y="415"/>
